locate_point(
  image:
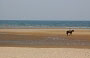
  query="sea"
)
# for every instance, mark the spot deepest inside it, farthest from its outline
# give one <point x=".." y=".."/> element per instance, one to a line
<point x="43" y="24"/>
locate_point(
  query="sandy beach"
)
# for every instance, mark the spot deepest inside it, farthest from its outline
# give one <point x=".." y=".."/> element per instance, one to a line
<point x="44" y="43"/>
<point x="17" y="52"/>
<point x="44" y="38"/>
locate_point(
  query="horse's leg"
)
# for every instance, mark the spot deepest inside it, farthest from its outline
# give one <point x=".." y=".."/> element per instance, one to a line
<point x="67" y="34"/>
<point x="71" y="33"/>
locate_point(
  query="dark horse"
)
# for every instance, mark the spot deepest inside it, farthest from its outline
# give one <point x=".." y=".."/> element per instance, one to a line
<point x="69" y="32"/>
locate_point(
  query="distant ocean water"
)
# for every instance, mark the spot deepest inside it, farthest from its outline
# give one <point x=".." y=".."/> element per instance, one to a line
<point x="43" y="24"/>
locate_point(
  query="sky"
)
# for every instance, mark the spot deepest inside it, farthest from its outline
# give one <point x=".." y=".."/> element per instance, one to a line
<point x="45" y="9"/>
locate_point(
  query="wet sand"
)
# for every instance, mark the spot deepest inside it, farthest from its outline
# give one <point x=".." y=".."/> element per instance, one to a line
<point x="44" y="38"/>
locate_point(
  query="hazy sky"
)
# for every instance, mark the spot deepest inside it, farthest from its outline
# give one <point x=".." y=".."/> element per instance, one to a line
<point x="45" y="9"/>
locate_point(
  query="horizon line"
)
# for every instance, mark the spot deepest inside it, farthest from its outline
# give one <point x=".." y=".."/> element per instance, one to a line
<point x="46" y="20"/>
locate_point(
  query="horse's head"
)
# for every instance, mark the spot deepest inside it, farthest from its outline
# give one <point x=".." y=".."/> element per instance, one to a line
<point x="72" y="30"/>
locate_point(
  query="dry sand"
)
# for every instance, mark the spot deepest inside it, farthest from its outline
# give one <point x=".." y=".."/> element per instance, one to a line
<point x="14" y="52"/>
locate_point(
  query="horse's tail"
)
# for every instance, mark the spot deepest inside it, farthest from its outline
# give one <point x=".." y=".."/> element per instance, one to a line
<point x="67" y="32"/>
